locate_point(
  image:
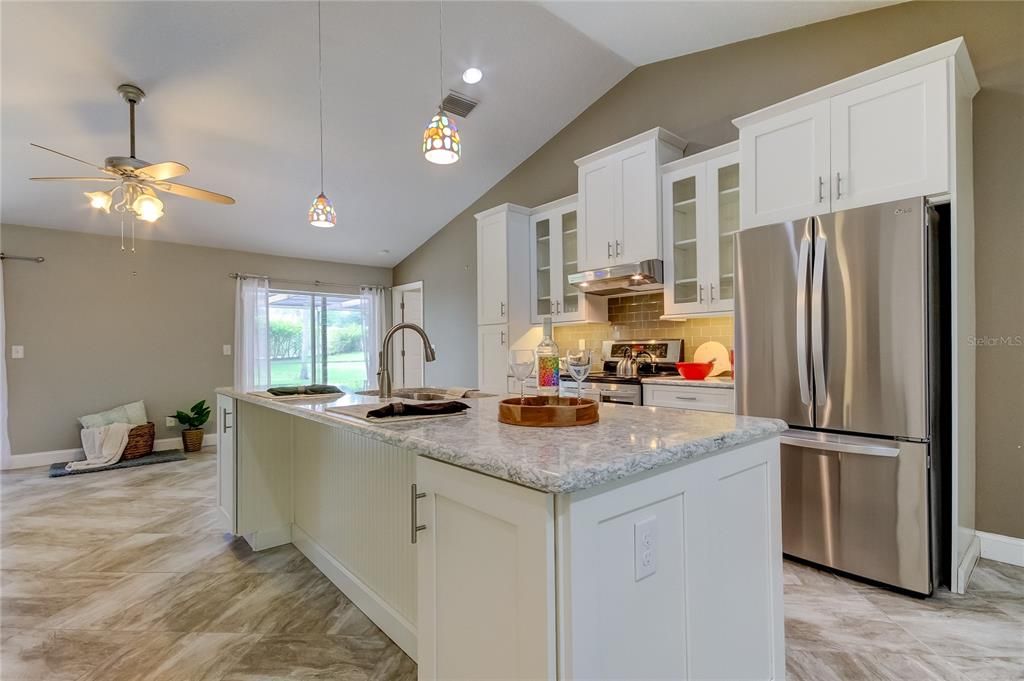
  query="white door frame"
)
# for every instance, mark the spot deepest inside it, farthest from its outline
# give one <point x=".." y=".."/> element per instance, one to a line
<point x="397" y="316"/>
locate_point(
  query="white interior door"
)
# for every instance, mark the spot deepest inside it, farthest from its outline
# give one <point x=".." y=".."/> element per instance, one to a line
<point x="407" y="348"/>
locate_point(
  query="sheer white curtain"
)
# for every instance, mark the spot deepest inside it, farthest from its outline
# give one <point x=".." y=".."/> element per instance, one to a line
<point x="5" y="442"/>
<point x="252" y="357"/>
<point x="376" y="320"/>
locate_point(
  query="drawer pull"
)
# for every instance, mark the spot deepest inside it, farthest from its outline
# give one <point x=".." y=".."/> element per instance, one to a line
<point x="681" y="397"/>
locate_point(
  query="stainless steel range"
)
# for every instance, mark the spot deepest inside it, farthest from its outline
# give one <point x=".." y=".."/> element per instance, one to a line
<point x="607" y="386"/>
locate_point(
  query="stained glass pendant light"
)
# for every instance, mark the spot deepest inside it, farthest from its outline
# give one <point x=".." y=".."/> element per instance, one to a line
<point x="441" y="142"/>
<point x="321" y="213"/>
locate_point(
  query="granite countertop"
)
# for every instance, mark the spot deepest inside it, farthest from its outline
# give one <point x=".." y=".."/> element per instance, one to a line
<point x="679" y="380"/>
<point x="626" y="441"/>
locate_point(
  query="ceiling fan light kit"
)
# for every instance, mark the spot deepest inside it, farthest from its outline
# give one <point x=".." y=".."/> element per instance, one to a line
<point x="138" y="180"/>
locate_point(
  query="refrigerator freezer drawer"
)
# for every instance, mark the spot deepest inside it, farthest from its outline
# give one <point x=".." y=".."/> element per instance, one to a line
<point x="865" y="513"/>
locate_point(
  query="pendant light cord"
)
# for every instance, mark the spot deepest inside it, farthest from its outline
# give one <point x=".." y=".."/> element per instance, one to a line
<point x="440" y="53"/>
<point x="320" y="79"/>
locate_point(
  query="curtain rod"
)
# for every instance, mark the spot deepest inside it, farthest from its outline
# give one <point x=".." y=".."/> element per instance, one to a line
<point x="315" y="282"/>
<point x="4" y="256"/>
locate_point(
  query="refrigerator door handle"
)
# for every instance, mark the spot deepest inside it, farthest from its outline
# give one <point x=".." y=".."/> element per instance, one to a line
<point x="818" y="319"/>
<point x="844" y="444"/>
<point x="803" y="263"/>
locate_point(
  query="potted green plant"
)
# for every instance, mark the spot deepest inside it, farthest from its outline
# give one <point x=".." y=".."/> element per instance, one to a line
<point x="193" y="420"/>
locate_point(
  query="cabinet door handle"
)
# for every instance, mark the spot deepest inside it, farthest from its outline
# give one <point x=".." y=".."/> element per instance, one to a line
<point x="821" y="189"/>
<point x="711" y="293"/>
<point x="502" y="309"/>
<point x="609" y="249"/>
<point x="700" y="293"/>
<point x="839" y="180"/>
<point x="224" y="420"/>
<point x="415" y="496"/>
<point x="502" y="337"/>
<point x="618" y="248"/>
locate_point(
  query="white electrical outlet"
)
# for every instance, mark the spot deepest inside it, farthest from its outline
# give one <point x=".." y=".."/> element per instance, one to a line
<point x="17" y="352"/>
<point x="645" y="548"/>
<point x="170" y="421"/>
<point x="227" y="350"/>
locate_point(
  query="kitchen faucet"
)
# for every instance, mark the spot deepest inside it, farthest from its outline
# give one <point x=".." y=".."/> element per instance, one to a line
<point x="384" y="357"/>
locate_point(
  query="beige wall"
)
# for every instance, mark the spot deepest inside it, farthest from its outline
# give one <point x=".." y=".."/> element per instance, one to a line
<point x="698" y="95"/>
<point x="101" y="327"/>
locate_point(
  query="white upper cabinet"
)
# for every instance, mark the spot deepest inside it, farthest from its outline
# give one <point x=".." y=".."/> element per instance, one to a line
<point x="492" y="270"/>
<point x="619" y="217"/>
<point x="554" y="231"/>
<point x="700" y="196"/>
<point x="878" y="136"/>
<point x="501" y="263"/>
<point x="889" y="139"/>
<point x="786" y="166"/>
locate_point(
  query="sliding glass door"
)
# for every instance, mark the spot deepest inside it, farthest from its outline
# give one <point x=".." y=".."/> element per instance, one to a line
<point x="316" y="338"/>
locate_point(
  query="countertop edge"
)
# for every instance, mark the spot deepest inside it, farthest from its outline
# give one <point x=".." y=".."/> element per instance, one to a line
<point x="622" y="467"/>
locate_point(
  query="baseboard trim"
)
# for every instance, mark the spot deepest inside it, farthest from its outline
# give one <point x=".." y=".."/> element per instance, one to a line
<point x="966" y="567"/>
<point x="60" y="455"/>
<point x="1002" y="548"/>
<point x="398" y="628"/>
<point x="261" y="540"/>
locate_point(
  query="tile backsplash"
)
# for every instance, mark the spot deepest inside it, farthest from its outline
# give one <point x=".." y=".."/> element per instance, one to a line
<point x="640" y="317"/>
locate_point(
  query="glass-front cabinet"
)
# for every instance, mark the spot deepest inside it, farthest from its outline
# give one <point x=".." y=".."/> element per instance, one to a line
<point x="700" y="219"/>
<point x="553" y="257"/>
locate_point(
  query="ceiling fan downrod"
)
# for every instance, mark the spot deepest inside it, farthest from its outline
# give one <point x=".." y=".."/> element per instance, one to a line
<point x="132" y="94"/>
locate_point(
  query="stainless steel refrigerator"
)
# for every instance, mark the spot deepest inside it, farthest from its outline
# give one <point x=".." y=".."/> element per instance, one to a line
<point x="838" y="333"/>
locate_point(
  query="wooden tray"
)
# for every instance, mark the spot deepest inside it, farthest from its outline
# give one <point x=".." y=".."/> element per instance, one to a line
<point x="547" y="412"/>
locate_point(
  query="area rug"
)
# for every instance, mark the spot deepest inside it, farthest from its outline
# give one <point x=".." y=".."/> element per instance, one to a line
<point x="57" y="470"/>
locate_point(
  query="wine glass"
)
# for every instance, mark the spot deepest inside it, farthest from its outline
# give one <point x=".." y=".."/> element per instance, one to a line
<point x="520" y="363"/>
<point x="578" y="363"/>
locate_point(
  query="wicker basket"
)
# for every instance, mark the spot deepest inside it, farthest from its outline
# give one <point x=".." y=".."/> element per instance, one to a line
<point x="140" y="441"/>
<point x="192" y="439"/>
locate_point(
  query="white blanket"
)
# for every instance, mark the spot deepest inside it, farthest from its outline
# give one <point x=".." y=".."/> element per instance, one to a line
<point x="103" y="446"/>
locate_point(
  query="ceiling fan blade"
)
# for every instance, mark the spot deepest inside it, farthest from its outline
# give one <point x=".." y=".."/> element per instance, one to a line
<point x="163" y="171"/>
<point x="61" y="153"/>
<point x="192" y="192"/>
<point x="77" y="179"/>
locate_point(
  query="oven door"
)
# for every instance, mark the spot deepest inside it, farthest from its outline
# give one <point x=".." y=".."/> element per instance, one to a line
<point x="617" y="393"/>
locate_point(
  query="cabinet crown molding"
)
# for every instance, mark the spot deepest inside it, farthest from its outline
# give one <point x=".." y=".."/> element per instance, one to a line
<point x="702" y="156"/>
<point x="955" y="48"/>
<point x="500" y="209"/>
<point x="653" y="134"/>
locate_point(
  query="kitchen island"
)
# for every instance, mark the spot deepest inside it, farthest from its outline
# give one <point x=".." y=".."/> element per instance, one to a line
<point x="646" y="545"/>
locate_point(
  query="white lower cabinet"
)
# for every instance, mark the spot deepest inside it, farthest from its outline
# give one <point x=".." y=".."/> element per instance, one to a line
<point x="675" y="574"/>
<point x="486" y="577"/>
<point x="226" y="496"/>
<point x="690" y="397"/>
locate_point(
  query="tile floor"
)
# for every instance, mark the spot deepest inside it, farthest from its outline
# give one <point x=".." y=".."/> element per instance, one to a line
<point x="129" y="576"/>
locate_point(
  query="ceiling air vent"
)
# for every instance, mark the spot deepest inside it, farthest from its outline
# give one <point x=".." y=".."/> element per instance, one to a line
<point x="458" y="104"/>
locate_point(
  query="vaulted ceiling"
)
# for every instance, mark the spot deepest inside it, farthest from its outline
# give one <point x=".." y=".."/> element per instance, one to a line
<point x="232" y="92"/>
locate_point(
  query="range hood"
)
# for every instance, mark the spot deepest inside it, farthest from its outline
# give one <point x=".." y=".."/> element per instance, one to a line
<point x="620" y="279"/>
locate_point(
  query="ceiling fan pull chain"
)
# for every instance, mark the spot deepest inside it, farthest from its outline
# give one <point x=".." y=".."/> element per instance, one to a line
<point x="133" y="232"/>
<point x="122" y="232"/>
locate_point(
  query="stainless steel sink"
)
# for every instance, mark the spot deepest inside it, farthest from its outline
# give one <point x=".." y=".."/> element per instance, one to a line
<point x="423" y="394"/>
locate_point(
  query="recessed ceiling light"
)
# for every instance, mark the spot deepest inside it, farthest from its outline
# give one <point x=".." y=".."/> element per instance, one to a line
<point x="472" y="75"/>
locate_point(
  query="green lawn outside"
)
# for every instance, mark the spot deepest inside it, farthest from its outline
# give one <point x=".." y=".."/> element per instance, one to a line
<point x="346" y="370"/>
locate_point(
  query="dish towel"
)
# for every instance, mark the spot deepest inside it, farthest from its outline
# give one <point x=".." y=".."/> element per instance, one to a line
<point x="103" y="446"/>
<point x="427" y="409"/>
<point x="314" y="389"/>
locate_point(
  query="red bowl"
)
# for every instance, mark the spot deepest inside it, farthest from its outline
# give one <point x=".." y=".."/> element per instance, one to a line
<point x="694" y="371"/>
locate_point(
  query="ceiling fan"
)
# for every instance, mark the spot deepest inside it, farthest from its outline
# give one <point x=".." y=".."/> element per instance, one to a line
<point x="138" y="181"/>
